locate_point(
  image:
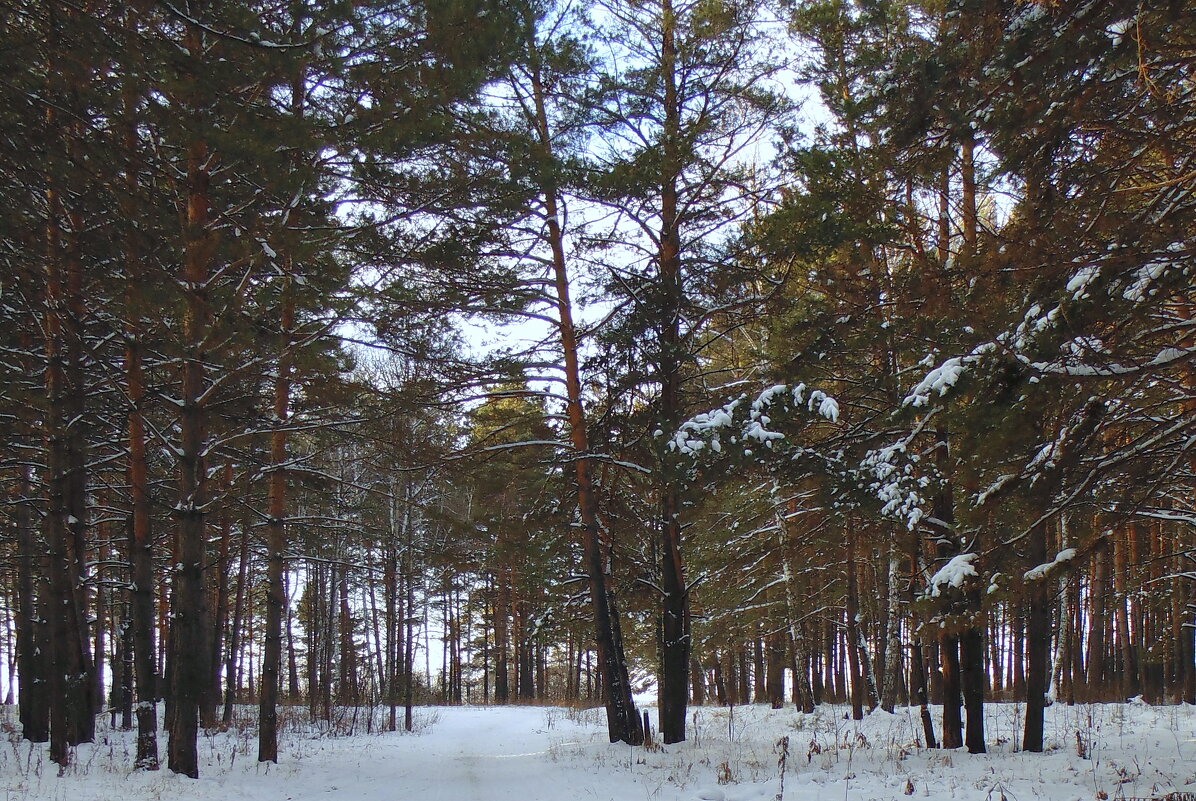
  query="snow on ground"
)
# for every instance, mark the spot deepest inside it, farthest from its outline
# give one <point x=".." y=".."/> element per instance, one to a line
<point x="555" y="754"/>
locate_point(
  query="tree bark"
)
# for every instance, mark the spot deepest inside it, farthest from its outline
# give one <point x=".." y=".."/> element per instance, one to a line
<point x="1038" y="642"/>
<point x="852" y="613"/>
<point x="231" y="679"/>
<point x="188" y="671"/>
<point x="219" y="580"/>
<point x="952" y="693"/>
<point x="1096" y="673"/>
<point x="892" y="678"/>
<point x="1129" y="680"/>
<point x="71" y="684"/>
<point x="276" y="537"/>
<point x="502" y="645"/>
<point x="776" y="669"/>
<point x="675" y="609"/>
<point x="971" y="655"/>
<point x="32" y="644"/>
<point x="623" y="722"/>
<point x="409" y="638"/>
<point x="918" y="672"/>
<point x="140" y="537"/>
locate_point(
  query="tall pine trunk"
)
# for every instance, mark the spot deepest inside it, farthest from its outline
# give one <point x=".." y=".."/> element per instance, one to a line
<point x="189" y="648"/>
<point x="70" y="682"/>
<point x="623" y="722"/>
<point x="675" y="611"/>
<point x="267" y="750"/>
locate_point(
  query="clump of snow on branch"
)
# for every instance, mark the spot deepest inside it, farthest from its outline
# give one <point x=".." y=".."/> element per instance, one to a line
<point x="741" y="423"/>
<point x="1077" y="287"/>
<point x="1040" y="572"/>
<point x="1144" y="280"/>
<point x="942" y="378"/>
<point x="997" y="485"/>
<point x="1047" y="455"/>
<point x="890" y="477"/>
<point x="953" y="574"/>
<point x="1035" y="322"/>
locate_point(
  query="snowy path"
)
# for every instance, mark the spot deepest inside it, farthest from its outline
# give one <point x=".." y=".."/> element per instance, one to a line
<point x="469" y="753"/>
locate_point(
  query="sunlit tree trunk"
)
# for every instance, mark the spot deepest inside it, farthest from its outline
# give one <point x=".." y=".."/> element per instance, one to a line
<point x="623" y="722"/>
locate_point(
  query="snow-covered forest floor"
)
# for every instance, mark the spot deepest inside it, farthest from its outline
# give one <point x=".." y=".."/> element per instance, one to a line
<point x="553" y="754"/>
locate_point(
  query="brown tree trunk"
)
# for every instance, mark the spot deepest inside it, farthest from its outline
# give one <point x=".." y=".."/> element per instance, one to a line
<point x="952" y="693"/>
<point x="139" y="535"/>
<point x="971" y="656"/>
<point x="350" y="691"/>
<point x="1188" y="646"/>
<point x="32" y="644"/>
<point x="803" y="694"/>
<point x="100" y="627"/>
<point x="409" y="638"/>
<point x="390" y="588"/>
<point x="1096" y="675"/>
<point x="1075" y="669"/>
<point x="312" y="635"/>
<point x="267" y="748"/>
<point x="776" y="670"/>
<point x="892" y="633"/>
<point x="220" y="601"/>
<point x="70" y="682"/>
<point x="759" y="692"/>
<point x="818" y="668"/>
<point x="524" y="683"/>
<point x="502" y="676"/>
<point x="328" y="643"/>
<point x="675" y="610"/>
<point x="745" y="688"/>
<point x="1038" y="642"/>
<point x="127" y="681"/>
<point x="943" y="239"/>
<point x="994" y="665"/>
<point x="918" y="672"/>
<point x="802" y="656"/>
<point x="623" y="722"/>
<point x="1017" y="679"/>
<point x="1130" y="685"/>
<point x="231" y="679"/>
<point x="188" y="607"/>
<point x="961" y="645"/>
<point x="852" y="613"/>
<point x="697" y="682"/>
<point x="968" y="200"/>
<point x="720" y="685"/>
